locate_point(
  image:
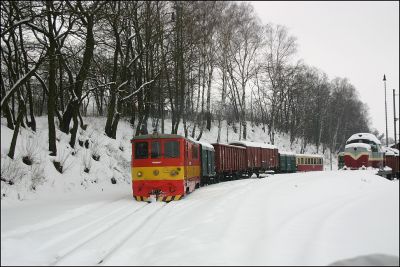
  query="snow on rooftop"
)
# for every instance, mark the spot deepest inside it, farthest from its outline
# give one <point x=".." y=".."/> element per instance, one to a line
<point x="363" y="145"/>
<point x="205" y="144"/>
<point x="367" y="136"/>
<point x="253" y="144"/>
<point x="390" y="151"/>
<point x="309" y="155"/>
<point x="287" y="153"/>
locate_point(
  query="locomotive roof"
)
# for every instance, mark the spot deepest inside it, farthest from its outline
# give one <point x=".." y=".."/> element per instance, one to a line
<point x="363" y="145"/>
<point x="253" y="144"/>
<point x="157" y="136"/>
<point x="367" y="136"/>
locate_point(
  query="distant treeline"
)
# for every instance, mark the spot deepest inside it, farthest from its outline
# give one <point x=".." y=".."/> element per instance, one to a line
<point x="195" y="61"/>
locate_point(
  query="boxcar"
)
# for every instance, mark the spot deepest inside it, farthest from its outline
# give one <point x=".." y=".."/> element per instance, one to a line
<point x="207" y="156"/>
<point x="307" y="162"/>
<point x="391" y="159"/>
<point x="269" y="157"/>
<point x="287" y="162"/>
<point x="164" y="166"/>
<point x="230" y="161"/>
<point x="259" y="156"/>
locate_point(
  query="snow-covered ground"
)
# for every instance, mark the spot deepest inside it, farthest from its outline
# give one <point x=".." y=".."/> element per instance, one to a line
<point x="78" y="217"/>
<point x="285" y="219"/>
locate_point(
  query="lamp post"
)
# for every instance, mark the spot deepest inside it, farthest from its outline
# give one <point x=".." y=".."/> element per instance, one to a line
<point x="394" y="117"/>
<point x="384" y="81"/>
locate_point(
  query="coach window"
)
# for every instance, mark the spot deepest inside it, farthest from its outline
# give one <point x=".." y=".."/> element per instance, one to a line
<point x="171" y="149"/>
<point x="155" y="150"/>
<point x="141" y="150"/>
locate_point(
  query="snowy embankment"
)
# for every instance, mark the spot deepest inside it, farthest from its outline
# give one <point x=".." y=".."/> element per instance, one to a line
<point x="284" y="219"/>
<point x="81" y="217"/>
<point x="95" y="166"/>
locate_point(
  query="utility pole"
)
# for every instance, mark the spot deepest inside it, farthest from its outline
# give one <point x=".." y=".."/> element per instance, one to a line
<point x="384" y="81"/>
<point x="394" y="116"/>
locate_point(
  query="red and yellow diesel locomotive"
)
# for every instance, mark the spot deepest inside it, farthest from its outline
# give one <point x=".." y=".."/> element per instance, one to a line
<point x="164" y="166"/>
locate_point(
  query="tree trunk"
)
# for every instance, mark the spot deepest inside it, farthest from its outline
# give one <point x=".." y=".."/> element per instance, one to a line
<point x="51" y="100"/>
<point x="16" y="130"/>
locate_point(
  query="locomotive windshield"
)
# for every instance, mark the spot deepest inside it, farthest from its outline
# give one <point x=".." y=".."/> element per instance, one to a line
<point x="155" y="150"/>
<point x="171" y="149"/>
<point x="141" y="150"/>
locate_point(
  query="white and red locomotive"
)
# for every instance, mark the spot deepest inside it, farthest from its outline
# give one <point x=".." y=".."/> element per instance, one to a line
<point x="363" y="150"/>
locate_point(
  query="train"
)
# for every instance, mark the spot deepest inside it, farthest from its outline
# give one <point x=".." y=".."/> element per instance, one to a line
<point x="167" y="167"/>
<point x="363" y="150"/>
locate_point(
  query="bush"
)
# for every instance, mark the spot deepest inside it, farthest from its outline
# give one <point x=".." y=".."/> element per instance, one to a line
<point x="30" y="150"/>
<point x="87" y="162"/>
<point x="11" y="171"/>
<point x="37" y="176"/>
<point x="61" y="160"/>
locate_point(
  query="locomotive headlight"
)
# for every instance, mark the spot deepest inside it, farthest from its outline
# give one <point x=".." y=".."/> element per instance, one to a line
<point x="173" y="172"/>
<point x="139" y="174"/>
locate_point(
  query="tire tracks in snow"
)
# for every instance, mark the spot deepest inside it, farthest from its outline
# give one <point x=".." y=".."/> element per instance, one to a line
<point x="297" y="228"/>
<point x="73" y="214"/>
<point x="101" y="243"/>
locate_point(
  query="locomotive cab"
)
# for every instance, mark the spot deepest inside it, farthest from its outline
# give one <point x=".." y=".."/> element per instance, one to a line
<point x="164" y="166"/>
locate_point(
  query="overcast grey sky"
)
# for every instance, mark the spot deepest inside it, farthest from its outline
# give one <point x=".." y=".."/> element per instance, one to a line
<point x="357" y="40"/>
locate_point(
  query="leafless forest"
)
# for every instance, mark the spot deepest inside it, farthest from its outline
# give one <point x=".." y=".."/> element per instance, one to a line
<point x="193" y="63"/>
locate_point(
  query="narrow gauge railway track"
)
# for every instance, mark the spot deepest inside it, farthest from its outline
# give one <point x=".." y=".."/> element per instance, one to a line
<point x="109" y="237"/>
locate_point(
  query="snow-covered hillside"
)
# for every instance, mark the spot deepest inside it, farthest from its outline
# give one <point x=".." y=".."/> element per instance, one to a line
<point x="90" y="217"/>
<point x="42" y="178"/>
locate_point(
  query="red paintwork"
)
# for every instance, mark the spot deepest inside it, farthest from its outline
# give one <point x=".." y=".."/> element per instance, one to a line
<point x="392" y="162"/>
<point x="170" y="188"/>
<point x="309" y="167"/>
<point x="352" y="163"/>
<point x="253" y="157"/>
<point x="275" y="159"/>
<point x="229" y="158"/>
